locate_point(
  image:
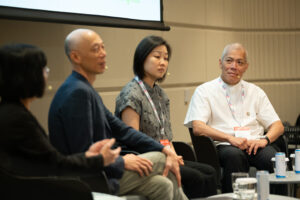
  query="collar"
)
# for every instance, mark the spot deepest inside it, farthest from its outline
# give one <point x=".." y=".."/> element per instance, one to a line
<point x="80" y="77"/>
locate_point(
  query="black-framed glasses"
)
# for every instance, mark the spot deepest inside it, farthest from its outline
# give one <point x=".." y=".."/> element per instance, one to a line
<point x="239" y="62"/>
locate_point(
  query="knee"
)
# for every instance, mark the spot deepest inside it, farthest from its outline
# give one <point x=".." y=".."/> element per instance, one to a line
<point x="166" y="185"/>
<point x="155" y="157"/>
<point x="162" y="188"/>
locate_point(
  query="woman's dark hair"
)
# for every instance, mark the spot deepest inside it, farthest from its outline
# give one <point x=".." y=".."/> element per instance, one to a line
<point x="21" y="72"/>
<point x="143" y="49"/>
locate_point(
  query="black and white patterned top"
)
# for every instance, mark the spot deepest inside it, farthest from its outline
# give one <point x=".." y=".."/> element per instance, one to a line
<point x="133" y="96"/>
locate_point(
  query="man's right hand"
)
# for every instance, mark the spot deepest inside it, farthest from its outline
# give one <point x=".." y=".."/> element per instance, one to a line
<point x="172" y="164"/>
<point x="241" y="143"/>
<point x="135" y="163"/>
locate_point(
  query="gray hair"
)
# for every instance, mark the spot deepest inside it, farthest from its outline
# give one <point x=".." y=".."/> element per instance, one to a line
<point x="234" y="46"/>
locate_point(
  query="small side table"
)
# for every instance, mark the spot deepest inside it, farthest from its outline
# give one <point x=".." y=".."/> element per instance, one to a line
<point x="291" y="180"/>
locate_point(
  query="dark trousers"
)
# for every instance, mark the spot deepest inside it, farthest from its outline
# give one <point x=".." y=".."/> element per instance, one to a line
<point x="198" y="179"/>
<point x="232" y="159"/>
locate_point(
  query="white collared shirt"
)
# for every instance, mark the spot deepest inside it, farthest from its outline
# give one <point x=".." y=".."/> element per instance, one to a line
<point x="209" y="105"/>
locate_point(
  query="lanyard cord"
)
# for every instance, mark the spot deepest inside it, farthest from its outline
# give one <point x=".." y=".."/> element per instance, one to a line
<point x="162" y="130"/>
<point x="225" y="88"/>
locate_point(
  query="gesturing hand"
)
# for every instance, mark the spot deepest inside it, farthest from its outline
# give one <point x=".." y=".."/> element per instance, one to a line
<point x="135" y="163"/>
<point x="103" y="147"/>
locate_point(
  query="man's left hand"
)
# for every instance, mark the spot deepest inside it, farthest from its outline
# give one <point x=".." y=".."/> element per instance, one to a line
<point x="253" y="145"/>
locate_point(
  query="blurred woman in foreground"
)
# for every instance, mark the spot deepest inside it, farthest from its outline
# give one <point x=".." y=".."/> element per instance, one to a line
<point x="24" y="146"/>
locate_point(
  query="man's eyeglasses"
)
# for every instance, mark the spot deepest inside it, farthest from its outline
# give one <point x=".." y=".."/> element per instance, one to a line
<point x="239" y="62"/>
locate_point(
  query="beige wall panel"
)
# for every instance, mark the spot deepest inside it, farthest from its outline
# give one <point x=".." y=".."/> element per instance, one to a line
<point x="272" y="55"/>
<point x="215" y="41"/>
<point x="254" y="14"/>
<point x="109" y="100"/>
<point x="215" y="13"/>
<point x="120" y="46"/>
<point x="185" y="11"/>
<point x="187" y="63"/>
<point x="178" y="111"/>
<point x="285" y="98"/>
<point x="297" y="13"/>
<point x="269" y="14"/>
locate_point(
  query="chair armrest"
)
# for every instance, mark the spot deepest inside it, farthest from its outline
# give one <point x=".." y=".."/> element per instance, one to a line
<point x="185" y="150"/>
<point x="206" y="151"/>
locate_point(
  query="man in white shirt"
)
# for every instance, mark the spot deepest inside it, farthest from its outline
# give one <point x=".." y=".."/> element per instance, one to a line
<point x="235" y="114"/>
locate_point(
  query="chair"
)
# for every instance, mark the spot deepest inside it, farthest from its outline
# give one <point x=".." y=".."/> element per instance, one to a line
<point x="206" y="152"/>
<point x="46" y="188"/>
<point x="14" y="187"/>
<point x="185" y="150"/>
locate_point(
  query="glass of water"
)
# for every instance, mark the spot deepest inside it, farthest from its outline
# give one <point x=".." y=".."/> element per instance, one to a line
<point x="246" y="188"/>
<point x="234" y="176"/>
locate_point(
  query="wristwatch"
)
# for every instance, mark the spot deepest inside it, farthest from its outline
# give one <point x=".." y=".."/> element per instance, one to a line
<point x="266" y="138"/>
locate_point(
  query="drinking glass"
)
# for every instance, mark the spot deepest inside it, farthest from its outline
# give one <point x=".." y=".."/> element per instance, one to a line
<point x="235" y="188"/>
<point x="246" y="188"/>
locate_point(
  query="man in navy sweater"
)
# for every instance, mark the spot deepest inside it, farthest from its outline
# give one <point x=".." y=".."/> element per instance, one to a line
<point x="78" y="118"/>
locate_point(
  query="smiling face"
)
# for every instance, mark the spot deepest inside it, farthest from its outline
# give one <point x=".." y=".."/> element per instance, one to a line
<point x="233" y="65"/>
<point x="156" y="63"/>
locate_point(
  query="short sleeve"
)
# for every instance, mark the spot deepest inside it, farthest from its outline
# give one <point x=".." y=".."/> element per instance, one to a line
<point x="199" y="108"/>
<point x="129" y="97"/>
<point x="266" y="114"/>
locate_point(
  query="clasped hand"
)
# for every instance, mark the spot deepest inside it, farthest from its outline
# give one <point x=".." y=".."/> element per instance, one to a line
<point x="251" y="146"/>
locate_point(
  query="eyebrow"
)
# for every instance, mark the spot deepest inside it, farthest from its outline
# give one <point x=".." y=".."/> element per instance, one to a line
<point x="161" y="52"/>
<point x="235" y="59"/>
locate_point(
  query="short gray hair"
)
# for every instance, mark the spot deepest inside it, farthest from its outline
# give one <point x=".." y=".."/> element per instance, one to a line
<point x="234" y="46"/>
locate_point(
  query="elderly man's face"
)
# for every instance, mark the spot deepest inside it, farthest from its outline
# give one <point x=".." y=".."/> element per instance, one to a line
<point x="233" y="66"/>
<point x="92" y="53"/>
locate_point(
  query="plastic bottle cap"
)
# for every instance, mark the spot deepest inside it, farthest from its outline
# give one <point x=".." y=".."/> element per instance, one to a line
<point x="273" y="159"/>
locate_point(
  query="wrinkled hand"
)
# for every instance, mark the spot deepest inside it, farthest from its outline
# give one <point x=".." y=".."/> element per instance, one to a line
<point x="172" y="165"/>
<point x="253" y="145"/>
<point x="135" y="163"/>
<point x="180" y="160"/>
<point x="241" y="143"/>
<point x="103" y="147"/>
